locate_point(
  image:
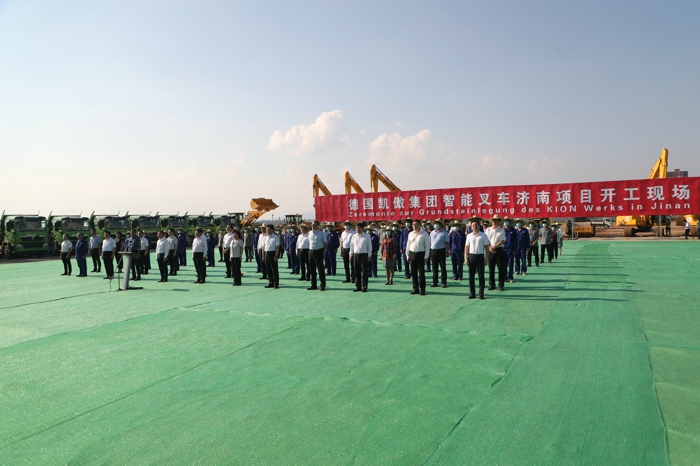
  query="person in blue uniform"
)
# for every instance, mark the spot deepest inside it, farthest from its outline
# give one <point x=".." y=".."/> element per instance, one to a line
<point x="457" y="238"/>
<point x="374" y="240"/>
<point x="284" y="240"/>
<point x="211" y="246"/>
<point x="81" y="252"/>
<point x="509" y="248"/>
<point x="522" y="245"/>
<point x="291" y="245"/>
<point x="256" y="237"/>
<point x="133" y="245"/>
<point x="405" y="231"/>
<point x="439" y="245"/>
<point x="428" y="229"/>
<point x="181" y="248"/>
<point x="396" y="234"/>
<point x="330" y="258"/>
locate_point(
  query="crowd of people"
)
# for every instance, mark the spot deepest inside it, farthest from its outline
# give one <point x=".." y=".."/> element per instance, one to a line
<point x="503" y="245"/>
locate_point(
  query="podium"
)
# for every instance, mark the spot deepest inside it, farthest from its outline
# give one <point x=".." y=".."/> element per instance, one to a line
<point x="127" y="263"/>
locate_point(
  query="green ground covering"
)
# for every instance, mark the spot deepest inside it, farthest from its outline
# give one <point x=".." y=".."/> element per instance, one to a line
<point x="594" y="359"/>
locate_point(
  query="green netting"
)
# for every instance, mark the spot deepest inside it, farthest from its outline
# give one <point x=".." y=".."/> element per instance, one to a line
<point x="553" y="371"/>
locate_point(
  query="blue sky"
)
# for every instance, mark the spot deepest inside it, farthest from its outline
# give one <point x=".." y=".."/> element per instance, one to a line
<point x="176" y="106"/>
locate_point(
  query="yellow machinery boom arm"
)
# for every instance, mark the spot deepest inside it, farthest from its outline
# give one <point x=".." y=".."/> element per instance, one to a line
<point x="351" y="184"/>
<point x="660" y="170"/>
<point x="319" y="187"/>
<point x="376" y="175"/>
<point x="260" y="207"/>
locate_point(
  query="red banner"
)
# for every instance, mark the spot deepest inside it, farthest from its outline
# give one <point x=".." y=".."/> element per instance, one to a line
<point x="669" y="196"/>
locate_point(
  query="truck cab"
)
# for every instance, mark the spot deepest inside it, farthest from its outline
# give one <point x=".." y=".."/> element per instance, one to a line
<point x="150" y="225"/>
<point x="69" y="225"/>
<point x="111" y="223"/>
<point x="24" y="235"/>
<point x="205" y="222"/>
<point x="177" y="223"/>
<point x="234" y="219"/>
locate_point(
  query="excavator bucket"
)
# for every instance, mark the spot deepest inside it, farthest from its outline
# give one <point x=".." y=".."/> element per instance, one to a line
<point x="262" y="204"/>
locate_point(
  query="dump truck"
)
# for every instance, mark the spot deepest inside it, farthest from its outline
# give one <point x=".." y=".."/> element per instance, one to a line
<point x="23" y="235"/>
<point x="69" y="225"/>
<point x="204" y="221"/>
<point x="149" y="224"/>
<point x="112" y="223"/>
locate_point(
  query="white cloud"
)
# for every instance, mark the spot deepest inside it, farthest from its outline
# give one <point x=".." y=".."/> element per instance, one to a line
<point x="327" y="131"/>
<point x="398" y="123"/>
<point x="362" y="132"/>
<point x="394" y="149"/>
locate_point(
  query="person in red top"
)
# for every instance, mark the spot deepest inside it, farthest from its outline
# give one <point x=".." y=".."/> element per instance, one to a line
<point x="389" y="254"/>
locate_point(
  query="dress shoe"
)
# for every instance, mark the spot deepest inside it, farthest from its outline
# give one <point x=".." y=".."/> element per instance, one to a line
<point x="312" y="288"/>
<point x="471" y="296"/>
<point x="64" y="274"/>
<point x="434" y="285"/>
<point x="277" y="285"/>
<point x="302" y="279"/>
<point x="422" y="293"/>
<point x="262" y="278"/>
<point x="444" y="285"/>
<point x="344" y="281"/>
<point x="490" y="288"/>
<point x="323" y="288"/>
<point x="501" y="288"/>
<point x="481" y="296"/>
<point x="364" y="290"/>
<point x="414" y="292"/>
<point x="197" y="282"/>
<point x="269" y="286"/>
<point x="105" y="278"/>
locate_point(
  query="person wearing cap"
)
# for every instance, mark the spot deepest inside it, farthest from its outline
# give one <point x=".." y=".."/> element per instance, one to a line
<point x="405" y="232"/>
<point x="272" y="253"/>
<point x="522" y="244"/>
<point x="302" y="249"/>
<point x="534" y="232"/>
<point x="181" y="249"/>
<point x="475" y="248"/>
<point x="220" y="245"/>
<point x="372" y="262"/>
<point x="546" y="241"/>
<point x="200" y="249"/>
<point x="318" y="244"/>
<point x="497" y="237"/>
<point x="226" y="246"/>
<point x="560" y="238"/>
<point x="333" y="244"/>
<point x="555" y="242"/>
<point x="345" y="242"/>
<point x="509" y="248"/>
<point x="360" y="249"/>
<point x="439" y="244"/>
<point x="417" y="248"/>
<point x="388" y="248"/>
<point x="457" y="239"/>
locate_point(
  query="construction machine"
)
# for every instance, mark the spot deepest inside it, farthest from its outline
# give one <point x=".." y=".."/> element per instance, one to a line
<point x="319" y="187"/>
<point x="295" y="219"/>
<point x="25" y="235"/>
<point x="112" y="223"/>
<point x="234" y="219"/>
<point x="69" y="225"/>
<point x="351" y="184"/>
<point x="643" y="223"/>
<point x="150" y="225"/>
<point x="376" y="175"/>
<point x="260" y="206"/>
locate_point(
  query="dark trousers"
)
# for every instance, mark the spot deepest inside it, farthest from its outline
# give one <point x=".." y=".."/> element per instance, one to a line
<point x="407" y="266"/>
<point x="172" y="260"/>
<point x="348" y="264"/>
<point x="316" y="267"/>
<point x="417" y="265"/>
<point x="334" y="260"/>
<point x="497" y="259"/>
<point x="687" y="232"/>
<point x="555" y="249"/>
<point x="162" y="266"/>
<point x="236" y="270"/>
<point x="509" y="264"/>
<point x="521" y="261"/>
<point x="273" y="273"/>
<point x="227" y="261"/>
<point x="221" y="253"/>
<point x="67" y="266"/>
<point x="199" y="266"/>
<point x="96" y="264"/>
<point x="304" y="263"/>
<point x="373" y="265"/>
<point x="263" y="263"/>
<point x="182" y="257"/>
<point x="439" y="258"/>
<point x="108" y="260"/>
<point x="548" y="248"/>
<point x="530" y="252"/>
<point x="457" y="259"/>
<point x="146" y="261"/>
<point x="136" y="265"/>
<point x="258" y="262"/>
<point x="475" y="263"/>
<point x="82" y="265"/>
<point x="249" y="253"/>
<point x="295" y="260"/>
<point x="210" y="257"/>
<point x="361" y="277"/>
<point x="399" y="260"/>
<point x="290" y="265"/>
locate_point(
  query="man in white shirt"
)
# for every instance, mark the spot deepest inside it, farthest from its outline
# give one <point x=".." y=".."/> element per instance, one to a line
<point x="497" y="258"/>
<point x="303" y="252"/>
<point x="474" y="250"/>
<point x="94" y="251"/>
<point x="261" y="251"/>
<point x="162" y="251"/>
<point x="226" y="246"/>
<point x="144" y="252"/>
<point x="345" y="242"/>
<point x="199" y="251"/>
<point x="172" y="252"/>
<point x="66" y="248"/>
<point x="417" y="249"/>
<point x="439" y="245"/>
<point x="360" y="249"/>
<point x="272" y="253"/>
<point x="317" y="244"/>
<point x="108" y="250"/>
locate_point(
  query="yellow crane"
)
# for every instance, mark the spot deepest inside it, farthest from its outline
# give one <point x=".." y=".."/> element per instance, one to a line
<point x="319" y="187"/>
<point x="260" y="206"/>
<point x="376" y="175"/>
<point x="351" y="184"/>
<point x="636" y="223"/>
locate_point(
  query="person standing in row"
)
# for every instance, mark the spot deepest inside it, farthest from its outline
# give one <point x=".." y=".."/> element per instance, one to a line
<point x="261" y="251"/>
<point x="560" y="238"/>
<point x="522" y="236"/>
<point x="345" y="242"/>
<point x="220" y="245"/>
<point x="428" y="228"/>
<point x="497" y="237"/>
<point x="51" y="246"/>
<point x="173" y="243"/>
<point x="81" y="252"/>
<point x="509" y="248"/>
<point x="119" y="240"/>
<point x="199" y="251"/>
<point x="417" y="247"/>
<point x="226" y="245"/>
<point x="360" y="249"/>
<point x="256" y="251"/>
<point x="389" y="255"/>
<point x="330" y="255"/>
<point x="302" y="249"/>
<point x="555" y="242"/>
<point x="372" y="261"/>
<point x="476" y="244"/>
<point x="108" y="250"/>
<point x="66" y="248"/>
<point x="546" y="241"/>
<point x="248" y="244"/>
<point x="318" y="244"/>
<point x="534" y="233"/>
<point x="94" y="251"/>
<point x="439" y="244"/>
<point x="236" y="248"/>
<point x="211" y="247"/>
<point x="162" y="252"/>
<point x="133" y="245"/>
<point x="405" y="232"/>
<point x="456" y="239"/>
<point x="286" y="240"/>
<point x="272" y="253"/>
<point x="292" y="253"/>
<point x="145" y="253"/>
<point x="181" y="249"/>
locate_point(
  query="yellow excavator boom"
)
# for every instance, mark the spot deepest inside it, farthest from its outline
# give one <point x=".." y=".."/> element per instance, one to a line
<point x="260" y="206"/>
<point x="376" y="175"/>
<point x="660" y="170"/>
<point x="351" y="184"/>
<point x="319" y="187"/>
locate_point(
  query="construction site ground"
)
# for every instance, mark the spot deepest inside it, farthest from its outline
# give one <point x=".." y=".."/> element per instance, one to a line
<point x="591" y="360"/>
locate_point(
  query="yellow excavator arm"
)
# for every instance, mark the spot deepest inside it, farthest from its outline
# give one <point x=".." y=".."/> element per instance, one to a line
<point x="319" y="187"/>
<point x="376" y="175"/>
<point x="660" y="169"/>
<point x="351" y="184"/>
<point x="260" y="206"/>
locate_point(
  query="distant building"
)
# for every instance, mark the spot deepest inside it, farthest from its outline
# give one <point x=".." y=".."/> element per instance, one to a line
<point x="677" y="174"/>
